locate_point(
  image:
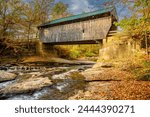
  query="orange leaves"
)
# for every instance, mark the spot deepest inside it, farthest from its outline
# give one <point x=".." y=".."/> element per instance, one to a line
<point x="130" y="90"/>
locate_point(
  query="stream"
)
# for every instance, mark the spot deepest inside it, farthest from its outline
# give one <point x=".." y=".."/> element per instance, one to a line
<point x="66" y="81"/>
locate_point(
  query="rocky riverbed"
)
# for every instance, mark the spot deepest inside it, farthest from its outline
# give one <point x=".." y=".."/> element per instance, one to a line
<point x="75" y="81"/>
<point x="41" y="82"/>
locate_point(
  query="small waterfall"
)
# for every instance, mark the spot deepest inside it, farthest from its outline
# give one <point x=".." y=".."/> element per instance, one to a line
<point x="5" y="84"/>
<point x="63" y="76"/>
<point x="60" y="86"/>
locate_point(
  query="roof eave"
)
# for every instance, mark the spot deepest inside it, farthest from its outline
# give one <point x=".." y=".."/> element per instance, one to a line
<point x="111" y="11"/>
<point x="76" y="20"/>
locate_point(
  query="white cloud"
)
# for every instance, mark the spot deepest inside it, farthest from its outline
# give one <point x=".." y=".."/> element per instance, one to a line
<point x="79" y="6"/>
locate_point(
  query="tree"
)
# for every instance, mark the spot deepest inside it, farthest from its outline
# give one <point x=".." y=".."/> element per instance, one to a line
<point x="59" y="10"/>
<point x="42" y="9"/>
<point x="9" y="17"/>
<point x="28" y="21"/>
<point x="138" y="25"/>
<point x="35" y="12"/>
<point x="20" y="18"/>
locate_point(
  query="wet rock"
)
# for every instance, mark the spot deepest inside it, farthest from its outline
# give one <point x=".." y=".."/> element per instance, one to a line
<point x="82" y="68"/>
<point x="3" y="68"/>
<point x="27" y="85"/>
<point x="6" y="76"/>
<point x="53" y="71"/>
<point x="65" y="75"/>
<point x="72" y="74"/>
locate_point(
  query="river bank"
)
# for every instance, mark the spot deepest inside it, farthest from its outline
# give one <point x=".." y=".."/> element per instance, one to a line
<point x="72" y="80"/>
<point x="116" y="80"/>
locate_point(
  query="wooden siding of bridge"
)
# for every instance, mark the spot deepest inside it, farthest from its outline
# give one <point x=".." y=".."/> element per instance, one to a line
<point x="77" y="32"/>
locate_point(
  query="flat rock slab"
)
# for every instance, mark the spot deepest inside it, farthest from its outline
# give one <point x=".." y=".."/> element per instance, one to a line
<point x="106" y="74"/>
<point x="93" y="91"/>
<point x="6" y="76"/>
<point x="28" y="85"/>
<point x="103" y="65"/>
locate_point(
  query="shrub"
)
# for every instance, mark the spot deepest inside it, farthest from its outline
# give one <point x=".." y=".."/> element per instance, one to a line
<point x="90" y="54"/>
<point x="75" y="54"/>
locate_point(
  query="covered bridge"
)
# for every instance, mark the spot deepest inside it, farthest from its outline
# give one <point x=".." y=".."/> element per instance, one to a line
<point x="86" y="28"/>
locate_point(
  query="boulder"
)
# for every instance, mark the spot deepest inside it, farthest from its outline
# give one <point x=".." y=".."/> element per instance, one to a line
<point x="6" y="76"/>
<point x="27" y="85"/>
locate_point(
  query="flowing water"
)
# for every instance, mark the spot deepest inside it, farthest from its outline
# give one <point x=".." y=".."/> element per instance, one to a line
<point x="5" y="84"/>
<point x="65" y="84"/>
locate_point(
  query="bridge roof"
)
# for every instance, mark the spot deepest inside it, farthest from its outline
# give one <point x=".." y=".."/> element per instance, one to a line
<point x="75" y="17"/>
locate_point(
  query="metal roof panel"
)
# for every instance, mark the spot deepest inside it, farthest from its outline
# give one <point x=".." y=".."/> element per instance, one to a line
<point x="79" y="16"/>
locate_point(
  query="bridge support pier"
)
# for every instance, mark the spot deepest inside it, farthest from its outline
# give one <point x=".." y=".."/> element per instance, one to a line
<point x="45" y="49"/>
<point x="113" y="49"/>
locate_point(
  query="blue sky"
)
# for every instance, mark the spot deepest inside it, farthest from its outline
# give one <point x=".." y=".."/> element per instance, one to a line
<point x="80" y="6"/>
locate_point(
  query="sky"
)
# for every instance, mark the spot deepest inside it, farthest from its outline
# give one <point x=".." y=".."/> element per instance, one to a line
<point x="80" y="6"/>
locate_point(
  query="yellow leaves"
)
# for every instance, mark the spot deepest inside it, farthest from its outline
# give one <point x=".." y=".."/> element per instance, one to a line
<point x="144" y="10"/>
<point x="59" y="11"/>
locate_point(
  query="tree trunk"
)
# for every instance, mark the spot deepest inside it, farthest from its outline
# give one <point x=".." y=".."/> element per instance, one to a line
<point x="28" y="37"/>
<point x="3" y="32"/>
<point x="146" y="42"/>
